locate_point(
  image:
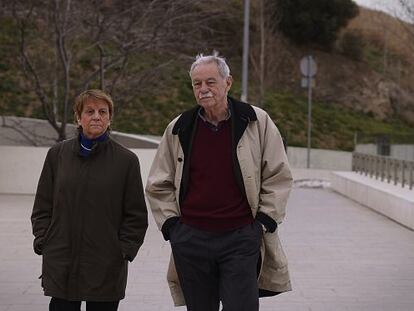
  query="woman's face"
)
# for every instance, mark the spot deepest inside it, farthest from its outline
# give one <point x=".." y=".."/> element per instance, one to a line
<point x="95" y="118"/>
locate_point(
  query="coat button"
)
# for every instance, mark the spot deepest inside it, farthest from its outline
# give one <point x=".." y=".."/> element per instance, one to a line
<point x="180" y="159"/>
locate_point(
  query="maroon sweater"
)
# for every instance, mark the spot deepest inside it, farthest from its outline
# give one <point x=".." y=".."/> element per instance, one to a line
<point x="213" y="201"/>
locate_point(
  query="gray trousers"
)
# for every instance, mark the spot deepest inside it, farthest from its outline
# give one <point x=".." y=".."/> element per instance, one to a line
<point x="216" y="267"/>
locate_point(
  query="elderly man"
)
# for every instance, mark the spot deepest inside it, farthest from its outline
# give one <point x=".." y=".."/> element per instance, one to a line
<point x="218" y="189"/>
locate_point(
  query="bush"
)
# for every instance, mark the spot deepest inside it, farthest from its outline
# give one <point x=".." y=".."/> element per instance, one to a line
<point x="314" y="22"/>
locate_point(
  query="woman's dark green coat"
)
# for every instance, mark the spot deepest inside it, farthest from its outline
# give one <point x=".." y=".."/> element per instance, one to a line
<point x="89" y="219"/>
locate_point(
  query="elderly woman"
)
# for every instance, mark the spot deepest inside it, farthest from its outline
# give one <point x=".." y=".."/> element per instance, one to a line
<point x="89" y="216"/>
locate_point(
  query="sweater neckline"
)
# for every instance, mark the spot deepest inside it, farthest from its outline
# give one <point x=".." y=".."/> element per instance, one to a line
<point x="87" y="145"/>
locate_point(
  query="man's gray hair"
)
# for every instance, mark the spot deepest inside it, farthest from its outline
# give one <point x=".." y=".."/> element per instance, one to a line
<point x="222" y="66"/>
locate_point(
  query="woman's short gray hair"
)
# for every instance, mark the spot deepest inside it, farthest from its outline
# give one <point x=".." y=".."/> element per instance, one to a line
<point x="222" y="66"/>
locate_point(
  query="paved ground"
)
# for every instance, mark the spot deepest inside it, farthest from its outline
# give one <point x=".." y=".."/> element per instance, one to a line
<point x="342" y="257"/>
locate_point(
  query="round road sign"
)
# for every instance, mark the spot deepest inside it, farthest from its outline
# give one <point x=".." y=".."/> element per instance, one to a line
<point x="308" y="66"/>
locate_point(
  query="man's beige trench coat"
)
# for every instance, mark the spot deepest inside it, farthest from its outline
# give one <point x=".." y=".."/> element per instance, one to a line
<point x="267" y="180"/>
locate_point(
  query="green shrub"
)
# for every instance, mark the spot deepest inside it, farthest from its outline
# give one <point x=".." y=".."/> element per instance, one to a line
<point x="314" y="22"/>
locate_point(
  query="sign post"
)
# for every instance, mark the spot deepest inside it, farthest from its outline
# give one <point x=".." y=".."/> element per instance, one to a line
<point x="308" y="69"/>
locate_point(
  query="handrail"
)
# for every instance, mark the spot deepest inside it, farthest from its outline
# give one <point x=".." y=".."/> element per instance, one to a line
<point x="384" y="168"/>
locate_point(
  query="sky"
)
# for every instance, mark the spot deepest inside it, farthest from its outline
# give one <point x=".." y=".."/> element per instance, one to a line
<point x="391" y="7"/>
<point x="383" y="5"/>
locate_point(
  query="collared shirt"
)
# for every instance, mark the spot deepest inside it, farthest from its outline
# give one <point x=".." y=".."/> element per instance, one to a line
<point x="212" y="126"/>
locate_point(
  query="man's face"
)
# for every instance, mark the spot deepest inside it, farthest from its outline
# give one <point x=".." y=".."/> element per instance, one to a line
<point x="210" y="89"/>
<point x="95" y="118"/>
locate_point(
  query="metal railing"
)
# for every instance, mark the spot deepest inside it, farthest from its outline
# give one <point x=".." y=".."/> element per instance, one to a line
<point x="384" y="168"/>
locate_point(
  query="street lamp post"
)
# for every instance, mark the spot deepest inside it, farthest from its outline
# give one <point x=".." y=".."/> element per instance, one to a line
<point x="245" y="66"/>
<point x="308" y="69"/>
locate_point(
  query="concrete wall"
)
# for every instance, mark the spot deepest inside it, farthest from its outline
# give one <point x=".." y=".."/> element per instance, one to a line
<point x="366" y="148"/>
<point x="390" y="200"/>
<point x="135" y="141"/>
<point x="402" y="152"/>
<point x="16" y="131"/>
<point x="320" y="159"/>
<point x="20" y="167"/>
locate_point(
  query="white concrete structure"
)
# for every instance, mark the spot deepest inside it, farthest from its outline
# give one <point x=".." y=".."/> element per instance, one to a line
<point x="16" y="131"/>
<point x="402" y="152"/>
<point x="20" y="167"/>
<point x="366" y="148"/>
<point x="320" y="159"/>
<point x="390" y="200"/>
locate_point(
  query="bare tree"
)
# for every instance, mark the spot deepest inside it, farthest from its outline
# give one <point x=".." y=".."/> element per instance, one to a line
<point x="266" y="23"/>
<point x="66" y="46"/>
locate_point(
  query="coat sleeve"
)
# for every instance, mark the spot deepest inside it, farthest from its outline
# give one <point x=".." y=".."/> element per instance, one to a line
<point x="276" y="178"/>
<point x="43" y="204"/>
<point x="160" y="188"/>
<point x="135" y="217"/>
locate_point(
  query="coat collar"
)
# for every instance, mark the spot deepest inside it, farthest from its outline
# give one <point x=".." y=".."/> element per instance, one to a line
<point x="185" y="127"/>
<point x="96" y="147"/>
<point x="241" y="112"/>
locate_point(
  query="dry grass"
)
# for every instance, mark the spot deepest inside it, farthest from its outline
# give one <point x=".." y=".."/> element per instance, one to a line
<point x="381" y="27"/>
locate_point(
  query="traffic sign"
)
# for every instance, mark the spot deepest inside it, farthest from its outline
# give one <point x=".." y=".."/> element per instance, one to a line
<point x="308" y="66"/>
<point x="305" y="82"/>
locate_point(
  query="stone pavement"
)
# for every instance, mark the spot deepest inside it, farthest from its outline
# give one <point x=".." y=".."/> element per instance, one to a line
<point x="342" y="256"/>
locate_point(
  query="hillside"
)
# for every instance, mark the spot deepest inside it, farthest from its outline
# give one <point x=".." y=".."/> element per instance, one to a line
<point x="372" y="72"/>
<point x="387" y="88"/>
<point x="358" y="89"/>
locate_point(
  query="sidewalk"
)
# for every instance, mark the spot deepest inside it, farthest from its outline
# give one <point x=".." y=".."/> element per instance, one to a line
<point x="342" y="257"/>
